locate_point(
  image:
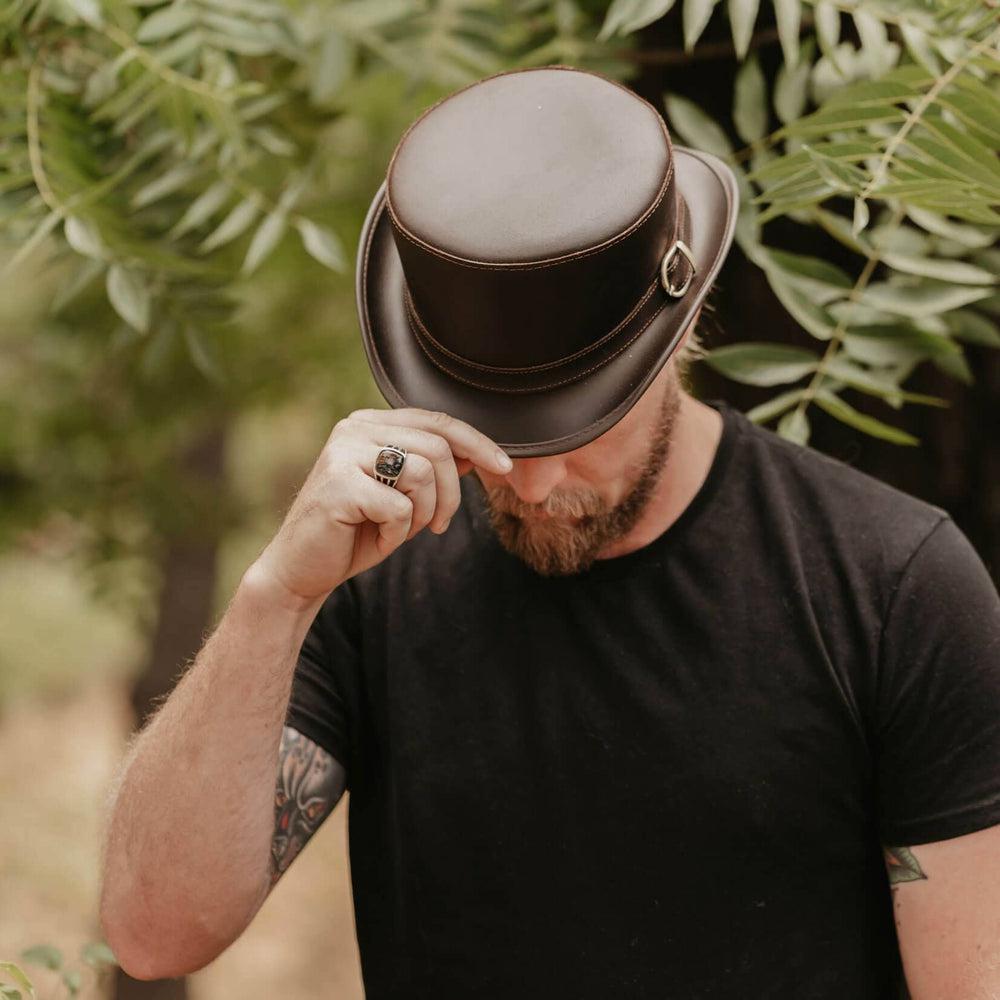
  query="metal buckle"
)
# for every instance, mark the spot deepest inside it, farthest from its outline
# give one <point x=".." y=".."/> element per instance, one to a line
<point x="665" y="267"/>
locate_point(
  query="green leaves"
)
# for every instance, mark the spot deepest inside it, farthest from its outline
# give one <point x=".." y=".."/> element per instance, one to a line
<point x="14" y="972"/>
<point x="695" y="127"/>
<point x="762" y="364"/>
<point x="625" y="16"/>
<point x="130" y="296"/>
<point x="742" y="15"/>
<point x="846" y="414"/>
<point x="265" y="239"/>
<point x="696" y="15"/>
<point x="321" y="244"/>
<point x="238" y="221"/>
<point x="750" y="105"/>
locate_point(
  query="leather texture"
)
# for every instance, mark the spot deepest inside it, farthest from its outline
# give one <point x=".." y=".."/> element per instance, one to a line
<point x="508" y="269"/>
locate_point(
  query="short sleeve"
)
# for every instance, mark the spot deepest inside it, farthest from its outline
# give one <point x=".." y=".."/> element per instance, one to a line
<point x="320" y="705"/>
<point x="939" y="695"/>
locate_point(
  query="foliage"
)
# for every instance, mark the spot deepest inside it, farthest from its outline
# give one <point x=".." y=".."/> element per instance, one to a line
<point x="182" y="181"/>
<point x="885" y="146"/>
<point x="95" y="954"/>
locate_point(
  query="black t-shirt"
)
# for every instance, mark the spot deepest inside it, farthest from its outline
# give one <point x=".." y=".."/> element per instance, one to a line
<point x="669" y="776"/>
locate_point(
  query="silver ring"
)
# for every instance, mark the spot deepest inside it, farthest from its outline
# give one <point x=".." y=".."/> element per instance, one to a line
<point x="388" y="465"/>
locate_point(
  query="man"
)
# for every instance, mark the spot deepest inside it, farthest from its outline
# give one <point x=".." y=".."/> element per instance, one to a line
<point x="661" y="705"/>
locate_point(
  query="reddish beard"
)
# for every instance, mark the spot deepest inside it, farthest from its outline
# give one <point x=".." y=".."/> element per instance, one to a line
<point x="580" y="524"/>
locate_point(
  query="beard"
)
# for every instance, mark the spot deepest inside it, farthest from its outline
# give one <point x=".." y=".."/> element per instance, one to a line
<point x="580" y="524"/>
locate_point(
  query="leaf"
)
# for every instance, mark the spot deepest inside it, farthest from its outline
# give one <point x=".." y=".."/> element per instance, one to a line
<point x="973" y="328"/>
<point x="845" y="370"/>
<point x="919" y="48"/>
<point x="88" y="11"/>
<point x="828" y="30"/>
<point x="788" y="14"/>
<point x="165" y="184"/>
<point x="202" y="358"/>
<point x="272" y="140"/>
<point x="361" y="16"/>
<point x="85" y="238"/>
<point x="235" y="223"/>
<point x="791" y="87"/>
<point x="955" y="271"/>
<point x="955" y="366"/>
<point x="861" y="216"/>
<point x="322" y="244"/>
<point x="750" y="101"/>
<point x="695" y="127"/>
<point x="920" y="300"/>
<point x="696" y="15"/>
<point x="810" y="315"/>
<point x="939" y="225"/>
<point x="268" y="234"/>
<point x="97" y="953"/>
<point x="166" y="22"/>
<point x="130" y="296"/>
<point x="71" y="980"/>
<point x="794" y="427"/>
<point x="625" y="16"/>
<point x="16" y="973"/>
<point x="742" y="17"/>
<point x="758" y="363"/>
<point x="46" y="955"/>
<point x="892" y="341"/>
<point x="874" y="41"/>
<point x="332" y="66"/>
<point x="800" y="268"/>
<point x="202" y="208"/>
<point x="840" y="118"/>
<point x="846" y="414"/>
<point x="842" y="177"/>
<point x="766" y="411"/>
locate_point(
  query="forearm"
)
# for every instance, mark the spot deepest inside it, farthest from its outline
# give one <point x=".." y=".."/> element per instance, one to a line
<point x="187" y="851"/>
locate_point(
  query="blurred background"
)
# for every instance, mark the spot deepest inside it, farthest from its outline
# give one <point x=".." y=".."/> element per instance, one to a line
<point x="182" y="186"/>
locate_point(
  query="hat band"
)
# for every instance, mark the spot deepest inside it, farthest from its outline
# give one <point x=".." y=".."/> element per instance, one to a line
<point x="605" y="348"/>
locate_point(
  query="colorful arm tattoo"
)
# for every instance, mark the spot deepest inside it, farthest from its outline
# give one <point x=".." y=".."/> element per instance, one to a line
<point x="310" y="783"/>
<point x="901" y="865"/>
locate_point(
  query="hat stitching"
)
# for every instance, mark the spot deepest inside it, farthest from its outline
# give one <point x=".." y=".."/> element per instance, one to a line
<point x="412" y="311"/>
<point x="551" y="385"/>
<point x="530" y="265"/>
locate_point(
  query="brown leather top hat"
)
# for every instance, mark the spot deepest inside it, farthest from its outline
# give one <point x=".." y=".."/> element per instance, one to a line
<point x="535" y="254"/>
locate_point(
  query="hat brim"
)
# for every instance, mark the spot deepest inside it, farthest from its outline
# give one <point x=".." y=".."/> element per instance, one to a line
<point x="572" y="415"/>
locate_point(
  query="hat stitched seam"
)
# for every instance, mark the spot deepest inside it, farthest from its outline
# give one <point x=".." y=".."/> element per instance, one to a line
<point x="545" y="262"/>
<point x="551" y="385"/>
<point x="617" y="329"/>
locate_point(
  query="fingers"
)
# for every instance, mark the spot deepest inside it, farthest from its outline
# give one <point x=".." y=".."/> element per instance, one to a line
<point x="387" y="508"/>
<point x="463" y="439"/>
<point x="429" y="476"/>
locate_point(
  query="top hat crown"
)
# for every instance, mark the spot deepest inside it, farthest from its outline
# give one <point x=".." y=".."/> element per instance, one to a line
<point x="540" y="234"/>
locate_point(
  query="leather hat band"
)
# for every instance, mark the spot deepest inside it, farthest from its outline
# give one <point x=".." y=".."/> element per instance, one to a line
<point x="573" y="366"/>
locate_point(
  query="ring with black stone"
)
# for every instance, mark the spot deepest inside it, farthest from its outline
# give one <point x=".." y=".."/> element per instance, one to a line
<point x="388" y="465"/>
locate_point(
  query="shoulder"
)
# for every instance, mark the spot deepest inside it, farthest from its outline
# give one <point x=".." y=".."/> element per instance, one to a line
<point x="842" y="506"/>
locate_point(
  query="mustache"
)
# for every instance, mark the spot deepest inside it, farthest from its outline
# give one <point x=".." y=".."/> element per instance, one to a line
<point x="576" y="503"/>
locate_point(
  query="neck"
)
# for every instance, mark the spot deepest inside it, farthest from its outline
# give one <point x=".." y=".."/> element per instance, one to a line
<point x="693" y="444"/>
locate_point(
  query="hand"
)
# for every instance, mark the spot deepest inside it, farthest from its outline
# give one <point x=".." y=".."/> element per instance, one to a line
<point x="344" y="521"/>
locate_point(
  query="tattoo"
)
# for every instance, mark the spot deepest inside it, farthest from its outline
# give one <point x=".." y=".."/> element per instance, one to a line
<point x="902" y="866"/>
<point x="310" y="783"/>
